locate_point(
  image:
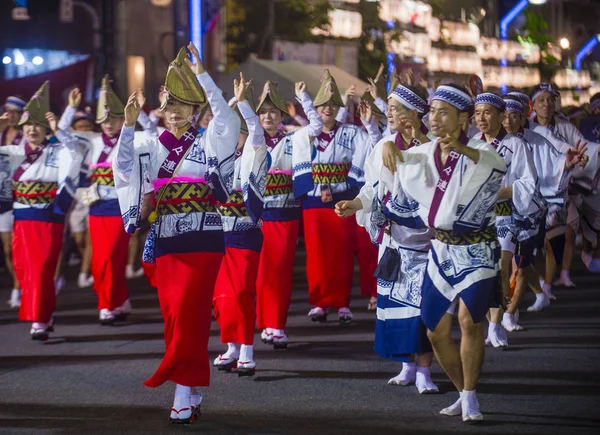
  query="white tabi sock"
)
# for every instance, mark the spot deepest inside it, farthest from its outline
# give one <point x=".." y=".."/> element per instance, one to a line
<point x="509" y="323"/>
<point x="406" y="376"/>
<point x="195" y="396"/>
<point x="423" y="381"/>
<point x="181" y="404"/>
<point x="470" y="406"/>
<point x="565" y="277"/>
<point x="246" y="353"/>
<point x="547" y="288"/>
<point x="541" y="302"/>
<point x="232" y="351"/>
<point x="454" y="409"/>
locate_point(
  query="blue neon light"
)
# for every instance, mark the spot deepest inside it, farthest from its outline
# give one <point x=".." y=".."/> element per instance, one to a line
<point x="510" y="17"/>
<point x="195" y="22"/>
<point x="585" y="51"/>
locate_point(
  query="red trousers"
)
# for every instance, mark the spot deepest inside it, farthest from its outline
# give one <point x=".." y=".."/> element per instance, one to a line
<point x="110" y="247"/>
<point x="367" y="254"/>
<point x="234" y="296"/>
<point x="330" y="245"/>
<point x="185" y="291"/>
<point x="36" y="248"/>
<point x="274" y="284"/>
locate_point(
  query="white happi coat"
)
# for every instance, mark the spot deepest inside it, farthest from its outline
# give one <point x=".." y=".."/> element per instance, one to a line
<point x="58" y="163"/>
<point x="211" y="159"/>
<point x="467" y="205"/>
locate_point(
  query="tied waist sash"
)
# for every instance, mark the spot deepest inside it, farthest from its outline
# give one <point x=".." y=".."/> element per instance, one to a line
<point x="278" y="184"/>
<point x="35" y="192"/>
<point x="234" y="207"/>
<point x="330" y="173"/>
<point x="487" y="234"/>
<point x="504" y="208"/>
<point x="184" y="198"/>
<point x="103" y="176"/>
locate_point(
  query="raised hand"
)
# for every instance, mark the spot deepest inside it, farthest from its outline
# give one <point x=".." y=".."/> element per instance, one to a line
<point x="291" y="109"/>
<point x="239" y="88"/>
<point x="300" y="89"/>
<point x="372" y="88"/>
<point x="366" y="111"/>
<point x="3" y="121"/>
<point x="53" y="121"/>
<point x="390" y="154"/>
<point x="350" y="93"/>
<point x="196" y="66"/>
<point x="133" y="108"/>
<point x="75" y="98"/>
<point x="577" y="155"/>
<point x="346" y="209"/>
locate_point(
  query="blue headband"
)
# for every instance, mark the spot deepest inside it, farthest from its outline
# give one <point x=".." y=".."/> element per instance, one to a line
<point x="453" y="96"/>
<point x="16" y="103"/>
<point x="544" y="87"/>
<point x="491" y="99"/>
<point x="523" y="98"/>
<point x="409" y="99"/>
<point x="514" y="106"/>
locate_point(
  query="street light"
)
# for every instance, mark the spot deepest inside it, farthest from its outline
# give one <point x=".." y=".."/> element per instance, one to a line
<point x="19" y="58"/>
<point x="565" y="44"/>
<point x="38" y="60"/>
<point x="6" y="60"/>
<point x="537" y="2"/>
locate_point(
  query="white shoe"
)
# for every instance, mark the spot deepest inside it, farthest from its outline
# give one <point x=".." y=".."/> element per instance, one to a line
<point x="246" y="368"/>
<point x="39" y="331"/>
<point x="564" y="281"/>
<point x="280" y="339"/>
<point x="541" y="302"/>
<point x="123" y="311"/>
<point x="15" y="298"/>
<point x="508" y="321"/>
<point x="407" y="376"/>
<point x="84" y="280"/>
<point x="266" y="336"/>
<point x="318" y="314"/>
<point x="106" y="317"/>
<point x="453" y="410"/>
<point x="470" y="407"/>
<point x="59" y="284"/>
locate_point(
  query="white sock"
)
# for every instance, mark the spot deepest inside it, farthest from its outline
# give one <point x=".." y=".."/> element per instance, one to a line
<point x="195" y="396"/>
<point x="409" y="366"/>
<point x="232" y="351"/>
<point x="246" y="353"/>
<point x="455" y="408"/>
<point x="539" y="297"/>
<point x="565" y="275"/>
<point x="491" y="328"/>
<point x="182" y="397"/>
<point x="277" y="332"/>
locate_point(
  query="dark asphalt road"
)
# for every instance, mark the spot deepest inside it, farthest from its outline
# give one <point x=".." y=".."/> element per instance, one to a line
<point x="88" y="379"/>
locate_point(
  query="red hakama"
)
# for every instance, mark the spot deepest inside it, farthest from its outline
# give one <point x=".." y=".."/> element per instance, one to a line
<point x="330" y="245"/>
<point x="36" y="248"/>
<point x="234" y="296"/>
<point x="274" y="284"/>
<point x="110" y="246"/>
<point x="185" y="291"/>
<point x="367" y="255"/>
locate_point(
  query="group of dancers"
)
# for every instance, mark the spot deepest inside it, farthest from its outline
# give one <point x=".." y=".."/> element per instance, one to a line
<point x="454" y="200"/>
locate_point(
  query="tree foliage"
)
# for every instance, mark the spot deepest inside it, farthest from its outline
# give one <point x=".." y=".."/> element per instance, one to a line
<point x="535" y="31"/>
<point x="248" y="25"/>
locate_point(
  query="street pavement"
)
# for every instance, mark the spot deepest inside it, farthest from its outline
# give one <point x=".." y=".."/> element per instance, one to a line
<point x="87" y="379"/>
